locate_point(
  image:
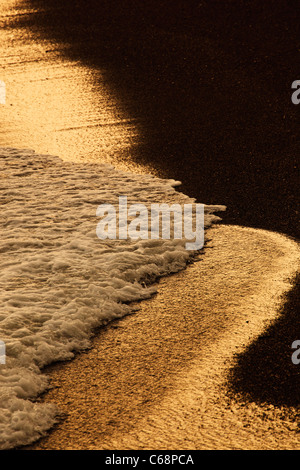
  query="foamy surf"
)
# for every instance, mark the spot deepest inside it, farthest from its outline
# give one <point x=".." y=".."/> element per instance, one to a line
<point x="58" y="280"/>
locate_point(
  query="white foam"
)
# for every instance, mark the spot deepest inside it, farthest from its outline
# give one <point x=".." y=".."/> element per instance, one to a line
<point x="58" y="281"/>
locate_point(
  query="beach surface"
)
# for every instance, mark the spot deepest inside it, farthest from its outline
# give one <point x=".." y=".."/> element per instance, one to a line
<point x="159" y="378"/>
<point x="185" y="95"/>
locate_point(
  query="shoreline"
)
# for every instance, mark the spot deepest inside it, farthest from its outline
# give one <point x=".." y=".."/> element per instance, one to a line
<point x="143" y="115"/>
<point x="60" y="281"/>
<point x="157" y="378"/>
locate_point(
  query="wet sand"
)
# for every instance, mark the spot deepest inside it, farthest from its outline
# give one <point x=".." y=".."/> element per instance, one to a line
<point x="190" y="101"/>
<point x="158" y="379"/>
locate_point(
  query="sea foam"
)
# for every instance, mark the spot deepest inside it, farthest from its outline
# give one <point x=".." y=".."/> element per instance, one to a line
<point x="58" y="280"/>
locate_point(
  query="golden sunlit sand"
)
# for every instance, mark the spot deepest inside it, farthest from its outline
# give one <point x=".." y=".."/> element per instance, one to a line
<point x="157" y="379"/>
<point x="60" y="106"/>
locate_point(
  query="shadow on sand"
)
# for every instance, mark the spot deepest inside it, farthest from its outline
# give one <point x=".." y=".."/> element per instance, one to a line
<point x="265" y="373"/>
<point x="209" y="84"/>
